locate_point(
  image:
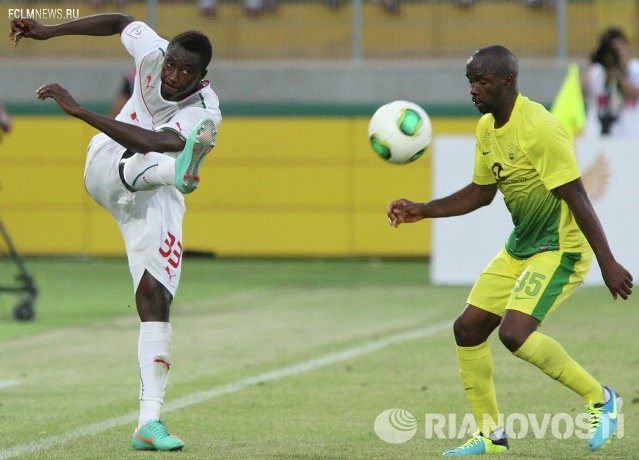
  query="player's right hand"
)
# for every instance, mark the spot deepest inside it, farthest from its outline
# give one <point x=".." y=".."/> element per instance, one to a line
<point x="403" y="211"/>
<point x="26" y="28"/>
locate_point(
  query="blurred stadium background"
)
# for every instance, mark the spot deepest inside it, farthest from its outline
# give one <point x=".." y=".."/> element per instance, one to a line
<point x="292" y="174"/>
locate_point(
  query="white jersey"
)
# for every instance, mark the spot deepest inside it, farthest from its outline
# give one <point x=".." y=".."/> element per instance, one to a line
<point x="150" y="221"/>
<point x="146" y="107"/>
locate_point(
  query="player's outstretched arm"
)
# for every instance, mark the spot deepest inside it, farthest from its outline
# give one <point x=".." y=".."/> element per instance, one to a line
<point x="132" y="137"/>
<point x="466" y="200"/>
<point x="616" y="277"/>
<point x="98" y="25"/>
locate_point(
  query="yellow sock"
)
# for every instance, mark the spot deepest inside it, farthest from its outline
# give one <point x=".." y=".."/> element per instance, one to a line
<point x="549" y="356"/>
<point x="476" y="371"/>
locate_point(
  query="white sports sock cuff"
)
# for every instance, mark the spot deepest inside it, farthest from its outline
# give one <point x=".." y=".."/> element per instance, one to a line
<point x="155" y="331"/>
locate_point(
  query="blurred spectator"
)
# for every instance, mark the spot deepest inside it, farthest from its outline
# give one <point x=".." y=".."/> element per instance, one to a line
<point x="335" y="4"/>
<point x="252" y="8"/>
<point x="208" y="7"/>
<point x="540" y="4"/>
<point x="465" y="3"/>
<point x="126" y="89"/>
<point x="5" y="122"/>
<point x="390" y="6"/>
<point x="611" y="88"/>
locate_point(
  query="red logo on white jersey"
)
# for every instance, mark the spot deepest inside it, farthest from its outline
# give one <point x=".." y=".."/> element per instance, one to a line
<point x="148" y="82"/>
<point x="178" y="126"/>
<point x="171" y="274"/>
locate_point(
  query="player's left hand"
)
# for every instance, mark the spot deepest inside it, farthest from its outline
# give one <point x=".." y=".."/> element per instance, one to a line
<point x="60" y="95"/>
<point x="618" y="280"/>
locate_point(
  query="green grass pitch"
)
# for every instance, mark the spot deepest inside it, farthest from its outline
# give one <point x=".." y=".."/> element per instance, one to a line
<point x="284" y="359"/>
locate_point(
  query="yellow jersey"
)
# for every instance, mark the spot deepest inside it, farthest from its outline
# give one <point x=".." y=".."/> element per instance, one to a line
<point x="527" y="158"/>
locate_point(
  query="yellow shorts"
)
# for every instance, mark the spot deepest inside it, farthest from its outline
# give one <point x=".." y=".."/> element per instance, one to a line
<point x="535" y="286"/>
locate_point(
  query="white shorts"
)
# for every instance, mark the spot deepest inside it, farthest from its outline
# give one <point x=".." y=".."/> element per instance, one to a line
<point x="150" y="221"/>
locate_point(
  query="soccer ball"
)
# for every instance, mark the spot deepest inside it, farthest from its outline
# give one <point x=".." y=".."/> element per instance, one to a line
<point x="400" y="132"/>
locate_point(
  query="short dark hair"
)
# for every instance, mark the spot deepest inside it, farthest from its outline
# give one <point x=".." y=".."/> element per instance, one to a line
<point x="196" y="42"/>
<point x="503" y="60"/>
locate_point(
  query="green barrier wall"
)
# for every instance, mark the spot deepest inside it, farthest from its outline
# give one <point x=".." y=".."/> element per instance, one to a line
<point x="273" y="186"/>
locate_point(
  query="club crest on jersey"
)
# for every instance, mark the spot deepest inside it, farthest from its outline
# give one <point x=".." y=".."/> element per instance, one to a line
<point x="512" y="152"/>
<point x="137" y="30"/>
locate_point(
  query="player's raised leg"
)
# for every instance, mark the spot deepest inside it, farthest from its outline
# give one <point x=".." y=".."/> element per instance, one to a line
<point x="198" y="145"/>
<point x="150" y="170"/>
<point x="146" y="171"/>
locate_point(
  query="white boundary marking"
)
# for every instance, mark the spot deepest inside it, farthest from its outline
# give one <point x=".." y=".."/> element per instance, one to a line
<point x="196" y="398"/>
<point x="9" y="383"/>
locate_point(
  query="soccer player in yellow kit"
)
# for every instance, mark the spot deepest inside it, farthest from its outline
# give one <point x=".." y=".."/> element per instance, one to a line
<point x="524" y="152"/>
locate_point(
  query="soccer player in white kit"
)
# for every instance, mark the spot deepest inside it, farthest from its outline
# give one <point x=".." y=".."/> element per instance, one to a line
<point x="138" y="167"/>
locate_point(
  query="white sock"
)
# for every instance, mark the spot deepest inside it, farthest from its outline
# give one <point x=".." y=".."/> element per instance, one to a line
<point x="497" y="434"/>
<point x="149" y="410"/>
<point x="606" y="394"/>
<point x="150" y="170"/>
<point x="154" y="350"/>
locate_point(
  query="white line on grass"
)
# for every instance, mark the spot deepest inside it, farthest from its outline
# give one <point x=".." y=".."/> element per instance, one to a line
<point x="221" y="390"/>
<point x="9" y="383"/>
